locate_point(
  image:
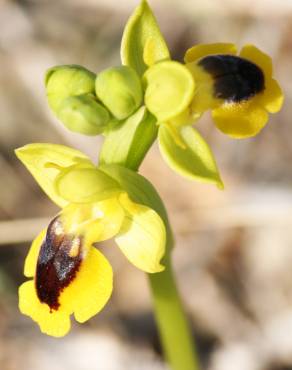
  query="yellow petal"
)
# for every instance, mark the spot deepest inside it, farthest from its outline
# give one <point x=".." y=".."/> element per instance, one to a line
<point x="91" y="288"/>
<point x="259" y="58"/>
<point x="202" y="50"/>
<point x="94" y="221"/>
<point x="44" y="162"/>
<point x="32" y="257"/>
<point x="108" y="218"/>
<point x="240" y="120"/>
<point x="273" y="97"/>
<point x="55" y="323"/>
<point x="142" y="236"/>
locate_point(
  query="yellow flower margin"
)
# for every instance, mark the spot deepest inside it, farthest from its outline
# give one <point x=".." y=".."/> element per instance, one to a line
<point x="65" y="173"/>
<point x="238" y="120"/>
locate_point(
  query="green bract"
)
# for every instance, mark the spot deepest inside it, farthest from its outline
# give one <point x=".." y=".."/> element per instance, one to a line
<point x="127" y="143"/>
<point x="169" y="89"/>
<point x="120" y="90"/>
<point x="83" y="114"/>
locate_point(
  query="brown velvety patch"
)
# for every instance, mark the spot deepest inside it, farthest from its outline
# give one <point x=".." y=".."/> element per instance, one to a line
<point x="55" y="267"/>
<point x="235" y="79"/>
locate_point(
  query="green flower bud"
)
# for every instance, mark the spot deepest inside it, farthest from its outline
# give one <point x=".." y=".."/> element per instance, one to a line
<point x="120" y="90"/>
<point x="68" y="80"/>
<point x="83" y="114"/>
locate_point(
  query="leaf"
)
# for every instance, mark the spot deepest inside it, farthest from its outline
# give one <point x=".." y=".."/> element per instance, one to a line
<point x="45" y="161"/>
<point x="194" y="161"/>
<point x="127" y="143"/>
<point x="142" y="42"/>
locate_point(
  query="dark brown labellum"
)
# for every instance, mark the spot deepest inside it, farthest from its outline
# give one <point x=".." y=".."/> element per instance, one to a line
<point x="56" y="268"/>
<point x="235" y="79"/>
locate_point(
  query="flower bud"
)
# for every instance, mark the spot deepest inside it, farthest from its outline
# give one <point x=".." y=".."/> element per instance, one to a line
<point x="83" y="114"/>
<point x="120" y="90"/>
<point x="68" y="80"/>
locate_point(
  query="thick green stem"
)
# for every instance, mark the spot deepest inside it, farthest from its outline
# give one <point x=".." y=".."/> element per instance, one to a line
<point x="176" y="337"/>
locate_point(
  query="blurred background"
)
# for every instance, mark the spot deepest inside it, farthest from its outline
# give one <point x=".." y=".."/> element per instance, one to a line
<point x="234" y="248"/>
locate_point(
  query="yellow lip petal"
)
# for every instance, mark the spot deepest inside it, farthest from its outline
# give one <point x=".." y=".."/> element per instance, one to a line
<point x="259" y="58"/>
<point x="273" y="97"/>
<point x="92" y="287"/>
<point x="240" y="120"/>
<point x="56" y="323"/>
<point x="142" y="237"/>
<point x="201" y="50"/>
<point x="85" y="296"/>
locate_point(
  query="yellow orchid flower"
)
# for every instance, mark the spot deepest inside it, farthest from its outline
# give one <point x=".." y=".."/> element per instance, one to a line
<point x="239" y="89"/>
<point x="69" y="275"/>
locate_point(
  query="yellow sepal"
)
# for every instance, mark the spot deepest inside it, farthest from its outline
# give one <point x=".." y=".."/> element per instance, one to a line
<point x="45" y="161"/>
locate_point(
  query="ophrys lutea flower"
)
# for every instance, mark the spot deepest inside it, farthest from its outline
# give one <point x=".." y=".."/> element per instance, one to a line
<point x="70" y="276"/>
<point x="239" y="89"/>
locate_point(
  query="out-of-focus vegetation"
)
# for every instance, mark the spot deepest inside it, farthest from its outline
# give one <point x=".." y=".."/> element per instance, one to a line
<point x="234" y="248"/>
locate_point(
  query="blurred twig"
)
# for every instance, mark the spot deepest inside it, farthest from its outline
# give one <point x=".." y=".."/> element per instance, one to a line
<point x="18" y="231"/>
<point x="233" y="216"/>
<point x="247" y="215"/>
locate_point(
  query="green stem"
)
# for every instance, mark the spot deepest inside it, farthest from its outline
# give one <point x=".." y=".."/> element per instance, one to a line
<point x="173" y="326"/>
<point x="178" y="344"/>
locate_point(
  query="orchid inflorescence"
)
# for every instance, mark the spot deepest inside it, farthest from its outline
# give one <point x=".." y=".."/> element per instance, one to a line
<point x="149" y="96"/>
